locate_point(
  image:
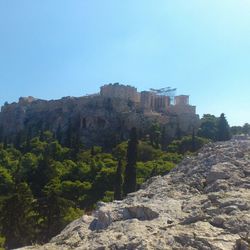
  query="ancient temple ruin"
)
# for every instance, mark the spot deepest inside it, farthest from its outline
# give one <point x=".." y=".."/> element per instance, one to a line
<point x="113" y="111"/>
<point x="149" y="101"/>
<point x="117" y="90"/>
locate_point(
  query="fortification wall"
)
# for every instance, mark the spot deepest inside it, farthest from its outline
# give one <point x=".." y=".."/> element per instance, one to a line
<point x="120" y="91"/>
<point x="148" y="100"/>
<point x="181" y="109"/>
<point x="181" y="100"/>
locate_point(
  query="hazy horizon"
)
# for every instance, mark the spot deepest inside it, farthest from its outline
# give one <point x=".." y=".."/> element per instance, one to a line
<point x="52" y="49"/>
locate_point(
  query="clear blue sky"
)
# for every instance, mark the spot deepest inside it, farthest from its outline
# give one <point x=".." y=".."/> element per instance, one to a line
<point x="55" y="48"/>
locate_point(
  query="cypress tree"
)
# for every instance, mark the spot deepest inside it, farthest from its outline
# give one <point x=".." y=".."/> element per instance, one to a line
<point x="208" y="127"/>
<point x="130" y="171"/>
<point x="155" y="135"/>
<point x="223" y="129"/>
<point x="118" y="182"/>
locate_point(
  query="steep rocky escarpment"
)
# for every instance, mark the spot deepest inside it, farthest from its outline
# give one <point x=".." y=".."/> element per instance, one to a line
<point x="94" y="119"/>
<point x="204" y="203"/>
<point x="88" y="117"/>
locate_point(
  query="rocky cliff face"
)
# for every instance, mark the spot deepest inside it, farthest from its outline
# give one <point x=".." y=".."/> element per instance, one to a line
<point x="90" y="117"/>
<point x="204" y="203"/>
<point x="96" y="120"/>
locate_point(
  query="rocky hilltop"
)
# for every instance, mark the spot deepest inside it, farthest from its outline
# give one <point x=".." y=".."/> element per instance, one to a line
<point x="204" y="203"/>
<point x="88" y="117"/>
<point x="97" y="119"/>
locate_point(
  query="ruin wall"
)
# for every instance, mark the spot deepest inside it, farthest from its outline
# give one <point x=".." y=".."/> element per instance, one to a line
<point x="120" y="91"/>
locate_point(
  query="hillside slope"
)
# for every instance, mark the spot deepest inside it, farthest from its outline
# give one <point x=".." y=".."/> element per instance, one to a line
<point x="203" y="204"/>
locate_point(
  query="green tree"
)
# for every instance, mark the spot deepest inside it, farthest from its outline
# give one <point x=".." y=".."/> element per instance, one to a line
<point x="208" y="127"/>
<point x="2" y="242"/>
<point x="155" y="135"/>
<point x="47" y="136"/>
<point x="54" y="209"/>
<point x="120" y="151"/>
<point x="28" y="166"/>
<point x="186" y="144"/>
<point x="104" y="181"/>
<point x="6" y="182"/>
<point x="43" y="174"/>
<point x="236" y="130"/>
<point x="77" y="172"/>
<point x="118" y="182"/>
<point x="223" y="131"/>
<point x="75" y="191"/>
<point x="18" y="217"/>
<point x="146" y="152"/>
<point x="130" y="171"/>
<point x="246" y="128"/>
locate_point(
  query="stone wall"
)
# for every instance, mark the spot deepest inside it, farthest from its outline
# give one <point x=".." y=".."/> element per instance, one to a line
<point x="181" y="100"/>
<point x="152" y="102"/>
<point x="181" y="109"/>
<point x="149" y="101"/>
<point x="120" y="91"/>
<point x="97" y="115"/>
<point x="160" y="103"/>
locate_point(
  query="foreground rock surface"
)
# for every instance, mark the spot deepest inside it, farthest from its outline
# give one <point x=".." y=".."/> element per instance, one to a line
<point x="204" y="203"/>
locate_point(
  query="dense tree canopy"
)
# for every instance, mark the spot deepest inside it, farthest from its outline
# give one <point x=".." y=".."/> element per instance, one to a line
<point x="215" y="128"/>
<point x="44" y="184"/>
<point x="208" y="127"/>
<point x="237" y="130"/>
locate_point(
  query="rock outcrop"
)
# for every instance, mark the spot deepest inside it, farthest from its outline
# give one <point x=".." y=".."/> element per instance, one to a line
<point x="96" y="119"/>
<point x="204" y="203"/>
<point x="89" y="117"/>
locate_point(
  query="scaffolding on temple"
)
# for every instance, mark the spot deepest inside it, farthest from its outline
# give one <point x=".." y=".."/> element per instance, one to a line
<point x="167" y="91"/>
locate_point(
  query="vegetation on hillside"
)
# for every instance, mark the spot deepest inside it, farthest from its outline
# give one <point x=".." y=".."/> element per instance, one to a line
<point x="44" y="185"/>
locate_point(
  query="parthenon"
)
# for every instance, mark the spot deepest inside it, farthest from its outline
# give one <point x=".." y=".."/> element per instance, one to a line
<point x="149" y="101"/>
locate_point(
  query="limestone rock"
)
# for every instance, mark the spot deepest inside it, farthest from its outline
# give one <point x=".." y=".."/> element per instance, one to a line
<point x="204" y="203"/>
<point x="97" y="118"/>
